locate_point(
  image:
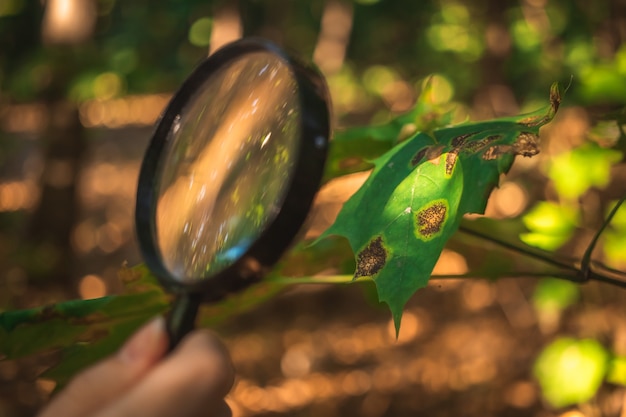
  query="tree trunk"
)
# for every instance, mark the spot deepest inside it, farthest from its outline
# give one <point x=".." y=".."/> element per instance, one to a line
<point x="53" y="220"/>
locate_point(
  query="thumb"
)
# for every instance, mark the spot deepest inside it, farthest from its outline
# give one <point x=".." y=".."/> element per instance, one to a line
<point x="107" y="380"/>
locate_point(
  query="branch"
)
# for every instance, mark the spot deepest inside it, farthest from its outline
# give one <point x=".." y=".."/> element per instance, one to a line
<point x="579" y="275"/>
<point x="545" y="257"/>
<point x="586" y="260"/>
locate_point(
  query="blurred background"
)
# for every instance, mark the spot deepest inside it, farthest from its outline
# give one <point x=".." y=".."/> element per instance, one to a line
<point x="83" y="81"/>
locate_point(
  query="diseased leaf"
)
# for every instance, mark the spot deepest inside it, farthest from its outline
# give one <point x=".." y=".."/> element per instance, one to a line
<point x="80" y="355"/>
<point x="64" y="324"/>
<point x="398" y="222"/>
<point x="85" y="331"/>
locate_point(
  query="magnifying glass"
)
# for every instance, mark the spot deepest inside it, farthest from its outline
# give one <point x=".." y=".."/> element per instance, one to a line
<point x="230" y="174"/>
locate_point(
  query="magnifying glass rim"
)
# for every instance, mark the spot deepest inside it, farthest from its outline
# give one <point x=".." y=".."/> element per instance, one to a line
<point x="314" y="115"/>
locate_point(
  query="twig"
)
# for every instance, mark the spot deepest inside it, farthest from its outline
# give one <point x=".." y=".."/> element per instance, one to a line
<point x="543" y="257"/>
<point x="579" y="277"/>
<point x="585" y="264"/>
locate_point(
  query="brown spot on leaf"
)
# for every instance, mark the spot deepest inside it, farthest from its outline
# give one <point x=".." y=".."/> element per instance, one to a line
<point x="526" y="144"/>
<point x="450" y="161"/>
<point x="460" y="140"/>
<point x="429" y="153"/>
<point x="474" y="146"/>
<point x="431" y="219"/>
<point x="371" y="259"/>
<point x="495" y="151"/>
<point x="418" y="156"/>
<point x="433" y="153"/>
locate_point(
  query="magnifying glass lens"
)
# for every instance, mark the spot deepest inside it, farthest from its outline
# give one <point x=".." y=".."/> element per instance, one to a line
<point x="226" y="165"/>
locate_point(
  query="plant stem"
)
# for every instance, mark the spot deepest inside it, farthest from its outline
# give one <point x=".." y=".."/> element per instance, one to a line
<point x="543" y="257"/>
<point x="586" y="260"/>
<point x="321" y="279"/>
<point x="578" y="277"/>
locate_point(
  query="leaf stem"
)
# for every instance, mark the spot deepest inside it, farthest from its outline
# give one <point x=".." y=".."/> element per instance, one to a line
<point x="321" y="279"/>
<point x="585" y="264"/>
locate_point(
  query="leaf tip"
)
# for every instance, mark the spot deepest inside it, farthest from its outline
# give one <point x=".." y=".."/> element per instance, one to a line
<point x="397" y="320"/>
<point x="555" y="99"/>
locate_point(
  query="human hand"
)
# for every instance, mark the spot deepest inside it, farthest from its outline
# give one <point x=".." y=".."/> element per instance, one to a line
<point x="141" y="381"/>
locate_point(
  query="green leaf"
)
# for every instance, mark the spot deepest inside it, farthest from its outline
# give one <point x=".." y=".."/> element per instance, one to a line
<point x="550" y="225"/>
<point x="85" y="331"/>
<point x="570" y="371"/>
<point x="398" y="222"/>
<point x="83" y="322"/>
<point x="200" y="32"/>
<point x="618" y="222"/>
<point x="617" y="371"/>
<point x="80" y="355"/>
<point x="613" y="237"/>
<point x="613" y="247"/>
<point x="550" y="298"/>
<point x="552" y="294"/>
<point x="574" y="172"/>
<point x="28" y="331"/>
<point x="64" y="324"/>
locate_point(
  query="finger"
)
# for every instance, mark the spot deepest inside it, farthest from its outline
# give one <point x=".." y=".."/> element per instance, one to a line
<point x="103" y="382"/>
<point x="194" y="379"/>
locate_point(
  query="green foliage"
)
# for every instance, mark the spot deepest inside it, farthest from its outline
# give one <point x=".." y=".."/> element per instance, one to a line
<point x="550" y="298"/>
<point x="617" y="371"/>
<point x="24" y="332"/>
<point x="570" y="371"/>
<point x="400" y="219"/>
<point x="550" y="225"/>
<point x="200" y="32"/>
<point x="354" y="149"/>
<point x="571" y="181"/>
<point x="85" y="331"/>
<point x="553" y="294"/>
<point x="614" y="236"/>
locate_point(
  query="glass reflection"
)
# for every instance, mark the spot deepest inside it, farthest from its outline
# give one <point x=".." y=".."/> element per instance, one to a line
<point x="227" y="164"/>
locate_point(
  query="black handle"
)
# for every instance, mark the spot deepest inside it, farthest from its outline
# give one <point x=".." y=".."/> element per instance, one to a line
<point x="182" y="318"/>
